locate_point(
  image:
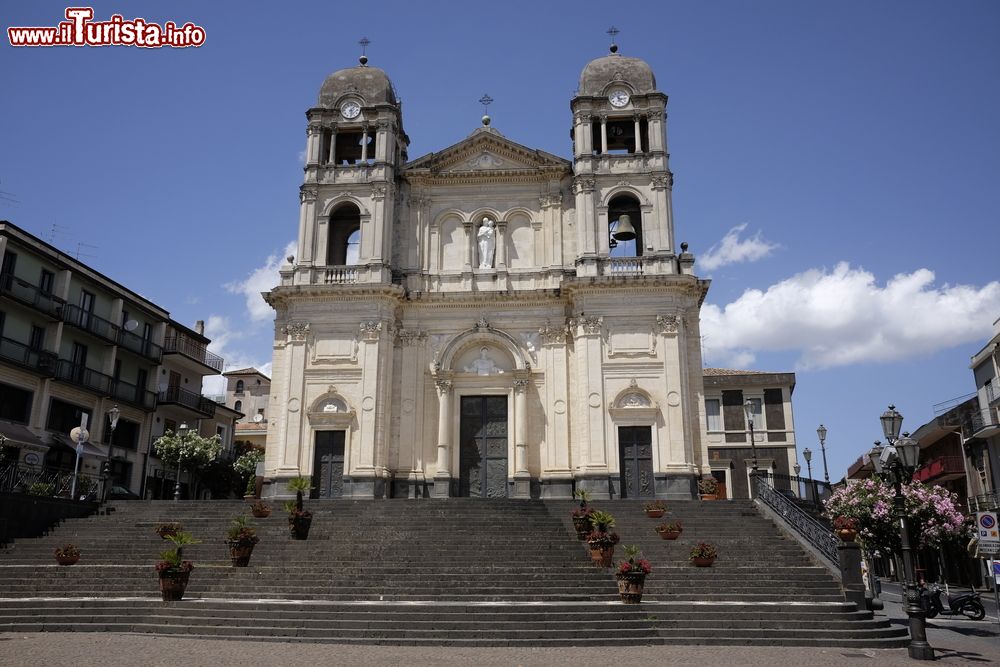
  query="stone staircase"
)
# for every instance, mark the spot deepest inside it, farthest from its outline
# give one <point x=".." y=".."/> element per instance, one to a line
<point x="457" y="571"/>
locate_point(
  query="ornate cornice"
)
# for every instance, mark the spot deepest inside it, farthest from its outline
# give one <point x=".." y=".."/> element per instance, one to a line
<point x="553" y="335"/>
<point x="667" y="324"/>
<point x="297" y="331"/>
<point x="370" y="330"/>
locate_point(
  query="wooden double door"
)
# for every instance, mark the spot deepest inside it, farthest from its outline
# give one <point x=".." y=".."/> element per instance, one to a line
<point x="328" y="465"/>
<point x="635" y="449"/>
<point x="482" y="456"/>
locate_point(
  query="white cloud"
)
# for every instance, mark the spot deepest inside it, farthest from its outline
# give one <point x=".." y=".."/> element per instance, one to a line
<point x="844" y="317"/>
<point x="223" y="337"/>
<point x="261" y="279"/>
<point x="734" y="250"/>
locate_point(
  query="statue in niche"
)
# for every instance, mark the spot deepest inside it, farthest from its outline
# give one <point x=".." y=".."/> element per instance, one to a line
<point x="483" y="365"/>
<point x="487" y="238"/>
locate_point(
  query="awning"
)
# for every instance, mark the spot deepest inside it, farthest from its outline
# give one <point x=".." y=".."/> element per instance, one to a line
<point x="89" y="448"/>
<point x="17" y="434"/>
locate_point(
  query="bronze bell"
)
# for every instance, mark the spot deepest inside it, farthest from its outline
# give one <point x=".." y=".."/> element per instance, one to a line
<point x="624" y="231"/>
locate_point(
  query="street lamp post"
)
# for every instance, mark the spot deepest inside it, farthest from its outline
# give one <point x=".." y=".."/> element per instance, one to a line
<point x="182" y="432"/>
<point x="897" y="461"/>
<point x="113" y="415"/>
<point x="808" y="456"/>
<point x="748" y="409"/>
<point x="821" y="432"/>
<point x="798" y="488"/>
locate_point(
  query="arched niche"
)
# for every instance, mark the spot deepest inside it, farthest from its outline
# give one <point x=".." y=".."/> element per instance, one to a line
<point x="469" y="344"/>
<point x="331" y="409"/>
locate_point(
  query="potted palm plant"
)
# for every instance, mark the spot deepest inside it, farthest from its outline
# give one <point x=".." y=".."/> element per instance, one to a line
<point x="581" y="515"/>
<point x="173" y="570"/>
<point x="670" y="530"/>
<point x="703" y="554"/>
<point x="601" y="542"/>
<point x="68" y="554"/>
<point x="241" y="537"/>
<point x="708" y="488"/>
<point x="655" y="509"/>
<point x="299" y="519"/>
<point x="631" y="575"/>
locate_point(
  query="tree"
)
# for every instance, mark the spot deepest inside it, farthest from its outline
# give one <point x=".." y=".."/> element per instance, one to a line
<point x="190" y="451"/>
<point x="932" y="511"/>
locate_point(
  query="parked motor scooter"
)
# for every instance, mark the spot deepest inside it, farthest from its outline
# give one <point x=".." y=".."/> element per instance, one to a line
<point x="965" y="604"/>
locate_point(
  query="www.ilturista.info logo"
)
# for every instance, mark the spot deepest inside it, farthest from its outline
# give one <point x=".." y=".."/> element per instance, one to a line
<point x="81" y="30"/>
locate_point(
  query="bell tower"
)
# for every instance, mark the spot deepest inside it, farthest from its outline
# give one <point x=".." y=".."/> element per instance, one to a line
<point x="354" y="150"/>
<point x="622" y="179"/>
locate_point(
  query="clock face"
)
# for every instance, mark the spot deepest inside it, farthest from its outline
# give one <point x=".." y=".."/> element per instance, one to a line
<point x="618" y="98"/>
<point x="350" y="109"/>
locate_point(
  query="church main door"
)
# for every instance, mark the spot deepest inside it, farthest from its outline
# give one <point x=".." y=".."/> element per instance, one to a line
<point x="328" y="465"/>
<point x="482" y="457"/>
<point x="636" y="458"/>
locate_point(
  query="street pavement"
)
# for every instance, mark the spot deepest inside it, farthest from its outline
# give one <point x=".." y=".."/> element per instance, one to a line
<point x="957" y="642"/>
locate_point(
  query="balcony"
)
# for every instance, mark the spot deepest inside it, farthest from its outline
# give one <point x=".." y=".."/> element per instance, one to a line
<point x="83" y="377"/>
<point x="188" y="399"/>
<point x="622" y="266"/>
<point x="20" y="354"/>
<point x="981" y="424"/>
<point x="139" y="345"/>
<point x="92" y="324"/>
<point x="130" y="393"/>
<point x="193" y="350"/>
<point x="941" y="469"/>
<point x="987" y="502"/>
<point x="30" y="295"/>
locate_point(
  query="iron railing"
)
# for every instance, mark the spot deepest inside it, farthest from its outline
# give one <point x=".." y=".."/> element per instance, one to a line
<point x="93" y="324"/>
<point x="812" y="531"/>
<point x="31" y="295"/>
<point x="188" y="399"/>
<point x="83" y="377"/>
<point x="193" y="350"/>
<point x="979" y="420"/>
<point x="139" y="345"/>
<point x="986" y="502"/>
<point x="44" y="481"/>
<point x="23" y="355"/>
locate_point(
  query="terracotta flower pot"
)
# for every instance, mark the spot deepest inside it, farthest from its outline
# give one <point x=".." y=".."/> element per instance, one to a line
<point x="702" y="562"/>
<point x="669" y="534"/>
<point x="299" y="526"/>
<point x="709" y="496"/>
<point x="239" y="553"/>
<point x="655" y="514"/>
<point x="261" y="514"/>
<point x="67" y="560"/>
<point x="847" y="534"/>
<point x="602" y="556"/>
<point x="582" y="526"/>
<point x="173" y="584"/>
<point x="630" y="586"/>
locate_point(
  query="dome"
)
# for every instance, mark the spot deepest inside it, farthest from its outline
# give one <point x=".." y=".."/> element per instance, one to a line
<point x="370" y="83"/>
<point x="600" y="72"/>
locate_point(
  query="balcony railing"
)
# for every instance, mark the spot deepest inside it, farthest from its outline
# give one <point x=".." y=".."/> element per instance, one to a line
<point x="982" y="423"/>
<point x="45" y="481"/>
<point x="22" y="355"/>
<point x="139" y="345"/>
<point x="986" y="502"/>
<point x="130" y="393"/>
<point x="98" y="326"/>
<point x="188" y="399"/>
<point x="83" y="377"/>
<point x="941" y="467"/>
<point x="193" y="350"/>
<point x="622" y="266"/>
<point x="30" y="295"/>
<point x="340" y="275"/>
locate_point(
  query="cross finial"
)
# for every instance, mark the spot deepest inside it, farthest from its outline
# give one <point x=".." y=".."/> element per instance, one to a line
<point x="364" y="42"/>
<point x="486" y="101"/>
<point x="613" y="31"/>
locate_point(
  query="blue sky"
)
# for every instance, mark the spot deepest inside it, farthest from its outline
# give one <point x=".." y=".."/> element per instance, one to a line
<point x="836" y="164"/>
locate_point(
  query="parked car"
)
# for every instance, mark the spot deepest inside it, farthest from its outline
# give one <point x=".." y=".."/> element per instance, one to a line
<point x="121" y="493"/>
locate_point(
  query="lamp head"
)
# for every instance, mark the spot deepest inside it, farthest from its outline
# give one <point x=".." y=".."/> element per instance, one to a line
<point x="113" y="415"/>
<point x="908" y="451"/>
<point x="875" y="456"/>
<point x="821" y="432"/>
<point x="892" y="421"/>
<point x="807" y="454"/>
<point x="797" y="468"/>
<point x="183" y="429"/>
<point x="748" y="410"/>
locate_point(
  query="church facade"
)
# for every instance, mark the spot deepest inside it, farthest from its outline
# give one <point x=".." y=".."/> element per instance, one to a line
<point x="490" y="319"/>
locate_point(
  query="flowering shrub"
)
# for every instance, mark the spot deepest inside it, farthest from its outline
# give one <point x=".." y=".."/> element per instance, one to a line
<point x="583" y="512"/>
<point x="933" y="513"/>
<point x="246" y="464"/>
<point x="67" y="551"/>
<point x="168" y="566"/>
<point x="704" y="550"/>
<point x="601" y="539"/>
<point x="670" y="527"/>
<point x="656" y="506"/>
<point x="708" y="485"/>
<point x="633" y="566"/>
<point x="845" y="523"/>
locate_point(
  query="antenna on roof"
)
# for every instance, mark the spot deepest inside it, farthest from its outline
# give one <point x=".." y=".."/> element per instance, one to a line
<point x="613" y="31"/>
<point x="364" y="42"/>
<point x="80" y="246"/>
<point x="9" y="197"/>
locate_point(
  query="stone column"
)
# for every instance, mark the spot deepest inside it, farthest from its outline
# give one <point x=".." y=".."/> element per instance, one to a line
<point x="638" y="135"/>
<point x="604" y="135"/>
<point x="364" y="145"/>
<point x="522" y="478"/>
<point x="556" y="475"/>
<point x="314" y="132"/>
<point x="310" y="244"/>
<point x="470" y="241"/>
<point x="293" y="444"/>
<point x="442" y="478"/>
<point x="501" y="252"/>
<point x="333" y="145"/>
<point x="593" y="470"/>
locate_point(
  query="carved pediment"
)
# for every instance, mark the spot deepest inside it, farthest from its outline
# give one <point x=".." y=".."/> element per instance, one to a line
<point x="486" y="151"/>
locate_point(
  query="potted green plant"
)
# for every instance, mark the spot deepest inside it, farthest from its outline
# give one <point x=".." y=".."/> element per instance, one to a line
<point x="670" y="530"/>
<point x="601" y="542"/>
<point x="167" y="529"/>
<point x="241" y="537"/>
<point x="708" y="488"/>
<point x="260" y="510"/>
<point x="581" y="515"/>
<point x="846" y="528"/>
<point x="631" y="575"/>
<point x="655" y="509"/>
<point x="173" y="570"/>
<point x="703" y="554"/>
<point x="67" y="554"/>
<point x="299" y="519"/>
